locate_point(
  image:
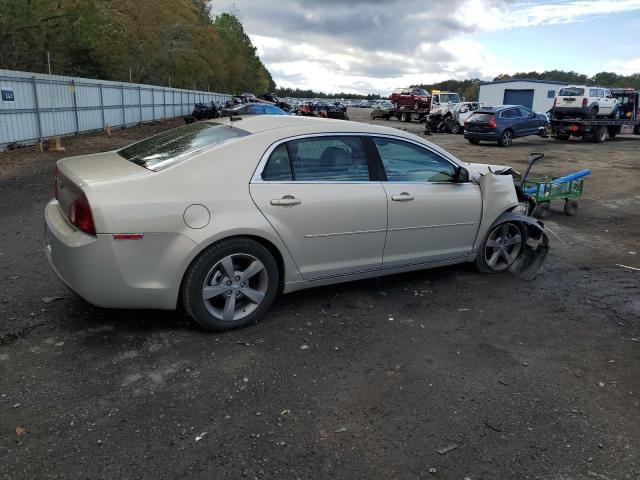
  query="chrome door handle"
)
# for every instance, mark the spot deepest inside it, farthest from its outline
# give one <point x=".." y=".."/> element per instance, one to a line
<point x="286" y="201"/>
<point x="403" y="197"/>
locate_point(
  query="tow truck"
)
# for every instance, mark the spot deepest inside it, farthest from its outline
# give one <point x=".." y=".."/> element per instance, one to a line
<point x="438" y="98"/>
<point x="599" y="129"/>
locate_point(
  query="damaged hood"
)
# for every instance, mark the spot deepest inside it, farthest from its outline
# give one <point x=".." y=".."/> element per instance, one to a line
<point x="483" y="168"/>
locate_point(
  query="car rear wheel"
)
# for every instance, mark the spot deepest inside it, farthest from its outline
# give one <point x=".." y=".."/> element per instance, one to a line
<point x="501" y="248"/>
<point x="230" y="285"/>
<point x="416" y="105"/>
<point x="506" y="139"/>
<point x="593" y="113"/>
<point x="473" y="141"/>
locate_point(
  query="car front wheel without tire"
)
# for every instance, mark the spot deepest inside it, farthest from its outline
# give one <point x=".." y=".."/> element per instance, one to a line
<point x="501" y="248"/>
<point x="230" y="285"/>
<point x="506" y="139"/>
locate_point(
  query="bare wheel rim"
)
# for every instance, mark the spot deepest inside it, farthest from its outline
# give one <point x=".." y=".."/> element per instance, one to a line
<point x="507" y="138"/>
<point x="235" y="287"/>
<point x="503" y="246"/>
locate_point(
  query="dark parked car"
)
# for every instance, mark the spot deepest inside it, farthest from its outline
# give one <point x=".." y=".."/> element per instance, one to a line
<point x="504" y="123"/>
<point x="415" y="98"/>
<point x="253" y="109"/>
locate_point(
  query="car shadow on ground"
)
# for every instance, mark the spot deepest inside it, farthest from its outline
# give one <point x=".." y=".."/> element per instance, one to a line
<point x="80" y="315"/>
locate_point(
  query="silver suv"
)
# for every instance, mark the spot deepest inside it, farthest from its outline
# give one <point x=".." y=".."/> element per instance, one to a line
<point x="586" y="102"/>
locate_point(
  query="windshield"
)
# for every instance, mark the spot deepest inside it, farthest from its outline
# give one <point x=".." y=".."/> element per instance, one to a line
<point x="420" y="91"/>
<point x="449" y="98"/>
<point x="571" y="92"/>
<point x="168" y="148"/>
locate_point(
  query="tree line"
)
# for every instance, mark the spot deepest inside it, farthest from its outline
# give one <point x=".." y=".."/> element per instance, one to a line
<point x="175" y="43"/>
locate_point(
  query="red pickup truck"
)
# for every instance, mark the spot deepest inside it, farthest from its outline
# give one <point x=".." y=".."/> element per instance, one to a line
<point x="415" y="98"/>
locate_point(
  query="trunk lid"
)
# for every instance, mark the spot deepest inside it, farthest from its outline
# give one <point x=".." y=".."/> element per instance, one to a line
<point x="100" y="167"/>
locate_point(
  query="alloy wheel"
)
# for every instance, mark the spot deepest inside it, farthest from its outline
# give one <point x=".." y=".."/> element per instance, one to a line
<point x="235" y="287"/>
<point x="503" y="246"/>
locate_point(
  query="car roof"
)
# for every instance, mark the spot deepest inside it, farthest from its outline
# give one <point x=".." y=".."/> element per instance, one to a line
<point x="303" y="125"/>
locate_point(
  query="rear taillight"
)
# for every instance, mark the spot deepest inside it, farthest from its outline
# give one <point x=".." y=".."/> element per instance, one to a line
<point x="80" y="214"/>
<point x="584" y="102"/>
<point x="492" y="122"/>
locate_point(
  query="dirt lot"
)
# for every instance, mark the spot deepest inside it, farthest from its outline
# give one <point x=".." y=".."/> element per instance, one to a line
<point x="517" y="379"/>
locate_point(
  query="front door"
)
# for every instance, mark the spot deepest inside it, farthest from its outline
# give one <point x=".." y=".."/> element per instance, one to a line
<point x="430" y="216"/>
<point x="317" y="194"/>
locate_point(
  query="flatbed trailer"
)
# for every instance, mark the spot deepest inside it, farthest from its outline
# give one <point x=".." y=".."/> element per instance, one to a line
<point x="598" y="129"/>
<point x="594" y="129"/>
<point x="409" y="114"/>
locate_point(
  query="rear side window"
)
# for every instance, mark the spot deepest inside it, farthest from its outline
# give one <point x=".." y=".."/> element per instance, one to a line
<point x="328" y="159"/>
<point x="509" y="113"/>
<point x="571" y="92"/>
<point x="318" y="159"/>
<point x="171" y="147"/>
<point x="278" y="167"/>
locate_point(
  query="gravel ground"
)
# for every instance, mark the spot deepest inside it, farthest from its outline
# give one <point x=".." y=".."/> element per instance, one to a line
<point x="443" y="374"/>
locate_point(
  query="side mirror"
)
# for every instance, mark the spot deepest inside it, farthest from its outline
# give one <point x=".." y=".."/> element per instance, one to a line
<point x="460" y="175"/>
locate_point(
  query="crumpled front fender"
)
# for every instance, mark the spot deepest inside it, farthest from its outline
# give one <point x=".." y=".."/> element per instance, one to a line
<point x="536" y="248"/>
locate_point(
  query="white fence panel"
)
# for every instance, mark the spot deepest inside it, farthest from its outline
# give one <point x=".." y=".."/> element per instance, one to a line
<point x="36" y="106"/>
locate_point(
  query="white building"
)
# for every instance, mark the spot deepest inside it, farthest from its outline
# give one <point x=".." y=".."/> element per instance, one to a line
<point x="538" y="95"/>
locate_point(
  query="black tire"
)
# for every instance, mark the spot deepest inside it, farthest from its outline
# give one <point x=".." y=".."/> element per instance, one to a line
<point x="396" y="105"/>
<point x="506" y="139"/>
<point x="613" y="131"/>
<point x="405" y="117"/>
<point x="542" y="210"/>
<point x="600" y="135"/>
<point x="473" y="141"/>
<point x="486" y="252"/>
<point x="570" y="208"/>
<point x="197" y="273"/>
<point x="416" y="105"/>
<point x="593" y="113"/>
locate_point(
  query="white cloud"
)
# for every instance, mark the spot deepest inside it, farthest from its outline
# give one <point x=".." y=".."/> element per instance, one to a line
<point x="624" y="67"/>
<point x="493" y="17"/>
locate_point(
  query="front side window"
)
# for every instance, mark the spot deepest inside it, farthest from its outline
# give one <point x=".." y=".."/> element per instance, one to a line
<point x="407" y="162"/>
<point x="328" y="159"/>
<point x="600" y="93"/>
<point x="525" y="112"/>
<point x="171" y="147"/>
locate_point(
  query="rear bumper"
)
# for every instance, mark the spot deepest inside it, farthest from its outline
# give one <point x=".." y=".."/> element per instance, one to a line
<point x="492" y="136"/>
<point x="573" y="111"/>
<point x="116" y="273"/>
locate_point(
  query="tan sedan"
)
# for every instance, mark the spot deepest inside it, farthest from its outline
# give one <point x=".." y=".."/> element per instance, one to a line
<point x="223" y="215"/>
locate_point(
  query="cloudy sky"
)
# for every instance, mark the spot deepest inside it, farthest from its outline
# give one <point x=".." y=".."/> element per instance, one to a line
<point x="364" y="46"/>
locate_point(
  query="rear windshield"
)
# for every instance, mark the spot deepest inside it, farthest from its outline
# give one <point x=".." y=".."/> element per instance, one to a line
<point x="571" y="92"/>
<point x="168" y="148"/>
<point x="480" y="117"/>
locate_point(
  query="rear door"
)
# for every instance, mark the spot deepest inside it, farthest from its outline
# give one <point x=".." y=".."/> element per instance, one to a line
<point x="318" y="194"/>
<point x="430" y="217"/>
